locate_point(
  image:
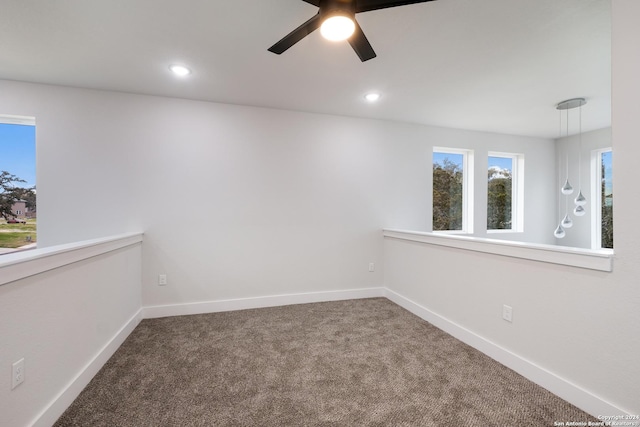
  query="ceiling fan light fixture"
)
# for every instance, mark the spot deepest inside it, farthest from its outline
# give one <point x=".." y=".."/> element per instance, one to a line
<point x="337" y="21"/>
<point x="337" y="28"/>
<point x="180" y="70"/>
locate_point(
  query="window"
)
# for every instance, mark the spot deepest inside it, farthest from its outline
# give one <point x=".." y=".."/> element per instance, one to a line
<point x="452" y="184"/>
<point x="504" y="192"/>
<point x="602" y="199"/>
<point x="17" y="183"/>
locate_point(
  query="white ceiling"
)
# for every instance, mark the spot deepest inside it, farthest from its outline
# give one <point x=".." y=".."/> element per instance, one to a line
<point x="489" y="65"/>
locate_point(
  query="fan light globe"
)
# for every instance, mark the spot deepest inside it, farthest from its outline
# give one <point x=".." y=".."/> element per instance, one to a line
<point x="337" y="28"/>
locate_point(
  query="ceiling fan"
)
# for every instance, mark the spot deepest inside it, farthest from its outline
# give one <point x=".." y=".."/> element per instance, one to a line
<point x="337" y="21"/>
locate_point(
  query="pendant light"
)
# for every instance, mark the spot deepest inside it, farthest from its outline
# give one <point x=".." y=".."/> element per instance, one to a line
<point x="581" y="200"/>
<point x="559" y="233"/>
<point x="567" y="222"/>
<point x="567" y="188"/>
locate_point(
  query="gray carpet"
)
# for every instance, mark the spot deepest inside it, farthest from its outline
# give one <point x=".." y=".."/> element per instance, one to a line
<point x="348" y="363"/>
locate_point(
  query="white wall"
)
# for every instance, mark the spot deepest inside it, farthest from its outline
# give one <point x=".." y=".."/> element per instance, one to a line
<point x="236" y="201"/>
<point x="242" y="202"/>
<point x="579" y="236"/>
<point x="580" y="325"/>
<point x="59" y="321"/>
<point x="282" y="202"/>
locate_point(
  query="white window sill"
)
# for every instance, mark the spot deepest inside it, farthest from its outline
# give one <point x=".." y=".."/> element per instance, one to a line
<point x="601" y="260"/>
<point x="18" y="265"/>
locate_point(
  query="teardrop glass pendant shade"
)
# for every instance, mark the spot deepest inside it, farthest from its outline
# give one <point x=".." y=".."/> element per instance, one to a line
<point x="579" y="211"/>
<point x="566" y="222"/>
<point x="581" y="200"/>
<point x="567" y="188"/>
<point x="559" y="233"/>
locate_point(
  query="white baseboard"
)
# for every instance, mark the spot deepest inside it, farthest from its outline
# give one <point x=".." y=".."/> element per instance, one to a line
<point x="572" y="393"/>
<point x="66" y="397"/>
<point x="151" y="312"/>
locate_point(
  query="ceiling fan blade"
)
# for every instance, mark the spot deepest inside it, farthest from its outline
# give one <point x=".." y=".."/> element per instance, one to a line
<point x="296" y="35"/>
<point x="368" y="5"/>
<point x="361" y="45"/>
<point x="313" y="2"/>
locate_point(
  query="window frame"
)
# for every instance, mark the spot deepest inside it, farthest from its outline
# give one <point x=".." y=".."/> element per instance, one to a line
<point x="9" y="119"/>
<point x="467" y="188"/>
<point x="517" y="192"/>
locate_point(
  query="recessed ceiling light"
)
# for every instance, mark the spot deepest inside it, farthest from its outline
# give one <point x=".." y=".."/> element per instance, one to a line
<point x="372" y="97"/>
<point x="180" y="70"/>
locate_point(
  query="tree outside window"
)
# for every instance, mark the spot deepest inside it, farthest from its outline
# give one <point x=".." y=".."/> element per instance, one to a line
<point x="452" y="205"/>
<point x="500" y="193"/>
<point x="447" y="195"/>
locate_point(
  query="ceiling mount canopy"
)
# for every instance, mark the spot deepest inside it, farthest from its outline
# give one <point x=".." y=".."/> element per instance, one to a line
<point x="342" y="14"/>
<point x="571" y="103"/>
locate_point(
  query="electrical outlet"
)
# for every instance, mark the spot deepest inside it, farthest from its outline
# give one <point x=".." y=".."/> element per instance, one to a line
<point x="162" y="280"/>
<point x="507" y="313"/>
<point x="371" y="267"/>
<point x="17" y="376"/>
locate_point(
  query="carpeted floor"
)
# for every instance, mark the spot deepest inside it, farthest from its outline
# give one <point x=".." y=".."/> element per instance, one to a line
<point x="348" y="363"/>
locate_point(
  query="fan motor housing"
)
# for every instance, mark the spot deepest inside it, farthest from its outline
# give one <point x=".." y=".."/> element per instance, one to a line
<point x="337" y="7"/>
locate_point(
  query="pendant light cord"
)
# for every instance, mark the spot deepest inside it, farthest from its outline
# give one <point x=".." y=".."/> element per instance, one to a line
<point x="560" y="184"/>
<point x="580" y="150"/>
<point x="567" y="145"/>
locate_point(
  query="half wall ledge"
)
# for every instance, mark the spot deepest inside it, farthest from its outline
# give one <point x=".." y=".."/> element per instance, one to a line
<point x="592" y="259"/>
<point x="18" y="265"/>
